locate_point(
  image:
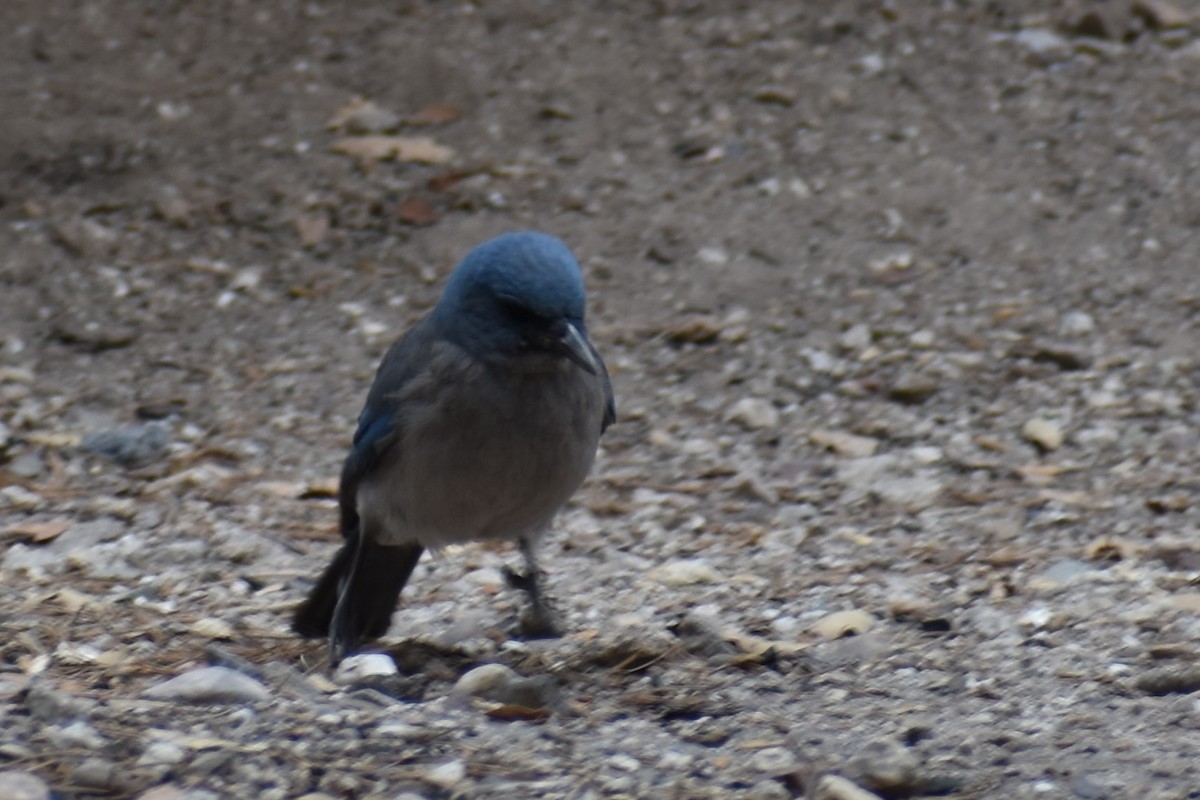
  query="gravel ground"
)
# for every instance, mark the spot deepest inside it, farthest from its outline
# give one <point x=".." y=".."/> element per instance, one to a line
<point x="901" y="303"/>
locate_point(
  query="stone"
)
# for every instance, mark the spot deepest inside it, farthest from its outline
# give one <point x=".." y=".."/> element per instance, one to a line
<point x="130" y="446"/>
<point x="1043" y="433"/>
<point x="210" y="685"/>
<point x="357" y="668"/>
<point x="499" y="684"/>
<point x="753" y="414"/>
<point x="835" y="787"/>
<point x="886" y="766"/>
<point x="48" y="704"/>
<point x="852" y="622"/>
<point x="685" y="572"/>
<point x="446" y="775"/>
<point x="913" y="388"/>
<point x="19" y="785"/>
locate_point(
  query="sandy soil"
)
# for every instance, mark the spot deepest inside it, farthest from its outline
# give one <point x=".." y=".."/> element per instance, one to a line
<point x="901" y="305"/>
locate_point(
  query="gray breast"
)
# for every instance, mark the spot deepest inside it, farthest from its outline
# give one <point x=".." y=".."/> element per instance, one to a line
<point x="495" y="457"/>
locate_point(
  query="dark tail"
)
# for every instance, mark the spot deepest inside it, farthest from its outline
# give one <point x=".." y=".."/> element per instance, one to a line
<point x="354" y="599"/>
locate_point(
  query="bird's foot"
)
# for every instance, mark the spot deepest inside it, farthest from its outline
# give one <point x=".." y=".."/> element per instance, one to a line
<point x="538" y="620"/>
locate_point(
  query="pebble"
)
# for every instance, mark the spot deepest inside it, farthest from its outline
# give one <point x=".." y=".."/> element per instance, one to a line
<point x="27" y="465"/>
<point x="1043" y="433"/>
<point x="685" y="572"/>
<point x="701" y="635"/>
<point x="483" y="681"/>
<point x="78" y="734"/>
<point x="753" y="414"/>
<point x="357" y="668"/>
<point x="835" y="787"/>
<point x="858" y="337"/>
<point x="886" y="766"/>
<point x="96" y="773"/>
<point x="845" y="444"/>
<point x="209" y="685"/>
<point x="844" y="623"/>
<point x="499" y="684"/>
<point x="1181" y="679"/>
<point x="18" y="785"/>
<point x="769" y="790"/>
<point x="159" y="758"/>
<point x="774" y="761"/>
<point x="445" y="776"/>
<point x="913" y="388"/>
<point x="1061" y="572"/>
<point x="131" y="445"/>
<point x="1077" y="323"/>
<point x="48" y="704"/>
<point x="1042" y="42"/>
<point x="213" y="628"/>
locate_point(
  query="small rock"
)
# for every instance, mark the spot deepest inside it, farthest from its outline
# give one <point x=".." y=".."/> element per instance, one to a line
<point x="886" y="766"/>
<point x="857" y="337"/>
<point x="1182" y="679"/>
<point x="159" y="758"/>
<point x="1042" y="42"/>
<point x="212" y="628"/>
<point x="913" y="388"/>
<point x="844" y="623"/>
<point x="1060" y="572"/>
<point x="131" y="445"/>
<point x="445" y="776"/>
<point x="1085" y="787"/>
<point x="685" y="572"/>
<point x="1043" y="433"/>
<point x="835" y="787"/>
<point x="499" y="684"/>
<point x="210" y="685"/>
<point x="775" y="761"/>
<point x="1161" y="14"/>
<point x="27" y="465"/>
<point x="769" y="789"/>
<point x="1077" y="323"/>
<point x="78" y="734"/>
<point x="1063" y="356"/>
<point x="357" y="668"/>
<point x="96" y="773"/>
<point x="845" y="444"/>
<point x="753" y="414"/>
<point x="171" y="206"/>
<point x="48" y="704"/>
<point x="484" y="680"/>
<point x="18" y="785"/>
<point x="701" y="635"/>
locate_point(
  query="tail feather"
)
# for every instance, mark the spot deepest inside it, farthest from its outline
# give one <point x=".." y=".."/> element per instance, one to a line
<point x="355" y="597"/>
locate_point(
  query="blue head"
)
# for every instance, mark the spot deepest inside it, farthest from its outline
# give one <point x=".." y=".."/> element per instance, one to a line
<point x="518" y="294"/>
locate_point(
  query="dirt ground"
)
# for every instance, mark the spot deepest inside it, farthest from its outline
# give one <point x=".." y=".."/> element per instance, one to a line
<point x="901" y="305"/>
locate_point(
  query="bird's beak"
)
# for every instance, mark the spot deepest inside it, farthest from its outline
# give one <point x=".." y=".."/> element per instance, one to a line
<point x="575" y="347"/>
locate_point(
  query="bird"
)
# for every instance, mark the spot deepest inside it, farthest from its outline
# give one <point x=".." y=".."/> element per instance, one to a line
<point x="483" y="419"/>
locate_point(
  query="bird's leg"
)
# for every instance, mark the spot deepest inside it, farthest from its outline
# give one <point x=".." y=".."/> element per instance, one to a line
<point x="539" y="620"/>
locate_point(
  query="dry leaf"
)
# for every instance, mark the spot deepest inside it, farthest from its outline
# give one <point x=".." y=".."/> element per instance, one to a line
<point x="37" y="532"/>
<point x="436" y="114"/>
<point x="695" y="329"/>
<point x="364" y="116"/>
<point x="417" y="213"/>
<point x="312" y="227"/>
<point x="510" y="712"/>
<point x="399" y="148"/>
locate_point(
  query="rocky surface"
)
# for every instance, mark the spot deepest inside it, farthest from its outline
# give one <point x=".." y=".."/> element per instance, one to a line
<point x="901" y="304"/>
